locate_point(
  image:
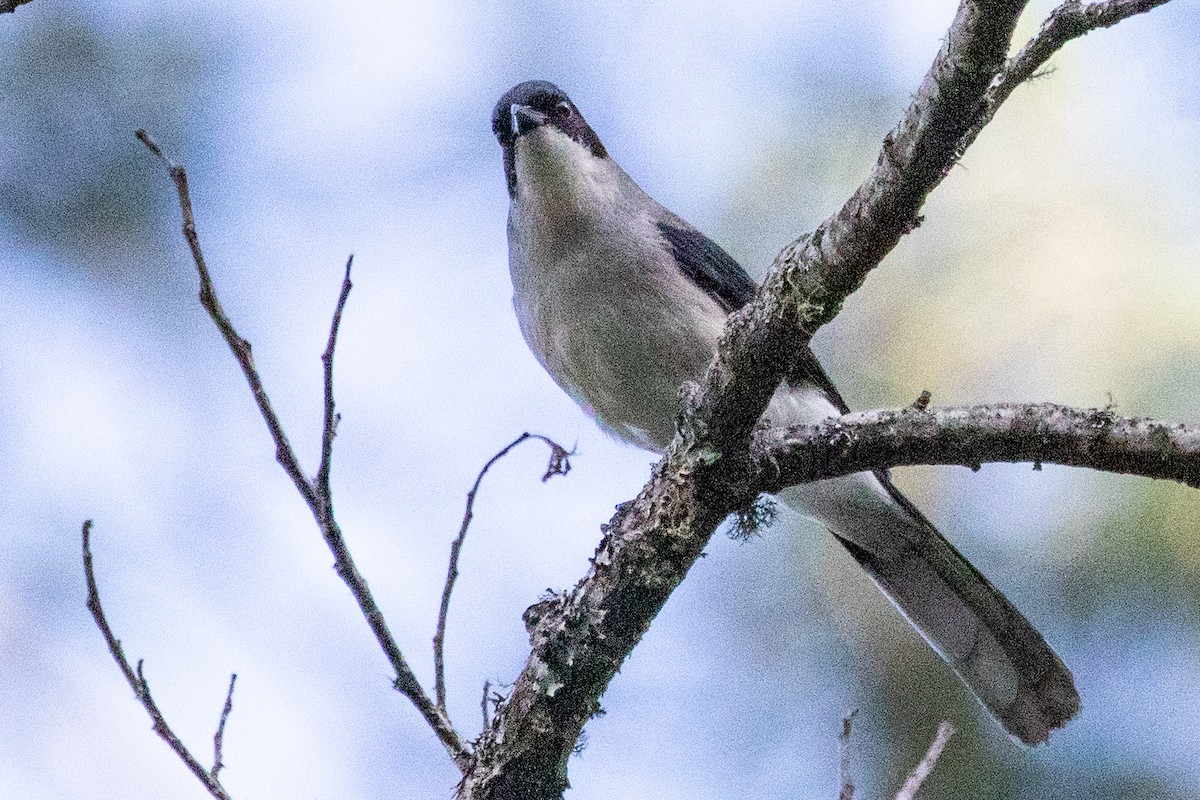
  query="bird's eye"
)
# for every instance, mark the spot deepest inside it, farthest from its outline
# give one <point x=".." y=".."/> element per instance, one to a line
<point x="563" y="109"/>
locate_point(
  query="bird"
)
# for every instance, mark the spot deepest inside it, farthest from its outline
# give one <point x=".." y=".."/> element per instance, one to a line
<point x="622" y="302"/>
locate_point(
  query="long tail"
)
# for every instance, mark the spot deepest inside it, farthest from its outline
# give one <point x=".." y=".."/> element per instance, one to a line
<point x="995" y="651"/>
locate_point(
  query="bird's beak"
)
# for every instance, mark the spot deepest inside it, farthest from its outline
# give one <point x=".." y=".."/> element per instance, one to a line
<point x="525" y="119"/>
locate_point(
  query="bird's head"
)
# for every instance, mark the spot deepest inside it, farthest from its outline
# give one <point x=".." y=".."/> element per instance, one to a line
<point x="542" y="132"/>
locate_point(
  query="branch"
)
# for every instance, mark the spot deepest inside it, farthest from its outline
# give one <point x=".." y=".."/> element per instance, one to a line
<point x="1069" y="21"/>
<point x="925" y="766"/>
<point x="316" y="492"/>
<point x="219" y="736"/>
<point x="331" y="418"/>
<point x="239" y="346"/>
<point x="846" y="785"/>
<point x="1042" y="433"/>
<point x="580" y="639"/>
<point x="813" y="275"/>
<point x="9" y="6"/>
<point x="141" y="688"/>
<point x="558" y="465"/>
<point x="915" y="778"/>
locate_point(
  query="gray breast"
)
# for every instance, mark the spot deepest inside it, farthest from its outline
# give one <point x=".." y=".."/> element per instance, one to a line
<point x="617" y="328"/>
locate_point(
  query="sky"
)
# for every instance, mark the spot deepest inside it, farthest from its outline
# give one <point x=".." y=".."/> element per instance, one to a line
<point x="1055" y="263"/>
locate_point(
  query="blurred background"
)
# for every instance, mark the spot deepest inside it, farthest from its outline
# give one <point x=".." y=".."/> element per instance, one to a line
<point x="1056" y="263"/>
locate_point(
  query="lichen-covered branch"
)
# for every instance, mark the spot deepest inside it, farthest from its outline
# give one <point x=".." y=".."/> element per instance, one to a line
<point x="814" y="274"/>
<point x="580" y="639"/>
<point x="1041" y="433"/>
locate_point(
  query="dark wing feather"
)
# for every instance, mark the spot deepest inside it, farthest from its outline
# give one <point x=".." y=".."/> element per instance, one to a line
<point x="709" y="267"/>
<point x="809" y="370"/>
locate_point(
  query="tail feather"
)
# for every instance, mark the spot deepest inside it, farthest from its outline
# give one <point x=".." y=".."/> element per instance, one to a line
<point x="1001" y="657"/>
<point x="994" y="650"/>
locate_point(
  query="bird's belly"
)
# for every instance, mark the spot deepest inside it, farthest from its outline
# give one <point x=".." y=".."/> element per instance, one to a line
<point x="623" y="349"/>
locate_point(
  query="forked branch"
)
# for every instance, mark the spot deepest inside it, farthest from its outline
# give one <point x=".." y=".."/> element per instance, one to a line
<point x="916" y="778"/>
<point x="1069" y="21"/>
<point x="141" y="687"/>
<point x="316" y="491"/>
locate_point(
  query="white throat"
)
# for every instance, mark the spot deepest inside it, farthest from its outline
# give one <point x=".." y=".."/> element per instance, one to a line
<point x="562" y="181"/>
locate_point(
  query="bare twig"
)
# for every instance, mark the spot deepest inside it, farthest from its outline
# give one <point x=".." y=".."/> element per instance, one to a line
<point x="329" y="428"/>
<point x="559" y="464"/>
<point x="915" y="778"/>
<point x="315" y="492"/>
<point x="219" y="736"/>
<point x="921" y="771"/>
<point x="141" y="688"/>
<point x="1069" y="21"/>
<point x="239" y="346"/>
<point x="846" y="789"/>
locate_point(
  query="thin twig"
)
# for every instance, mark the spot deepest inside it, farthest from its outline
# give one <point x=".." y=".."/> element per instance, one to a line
<point x="239" y="346"/>
<point x="559" y="464"/>
<point x="921" y="771"/>
<point x="846" y="790"/>
<point x="1068" y="21"/>
<point x="314" y="492"/>
<point x="219" y="736"/>
<point x="329" y="428"/>
<point x="141" y="688"/>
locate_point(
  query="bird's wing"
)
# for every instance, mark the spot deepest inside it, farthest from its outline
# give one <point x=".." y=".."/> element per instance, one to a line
<point x="709" y="266"/>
